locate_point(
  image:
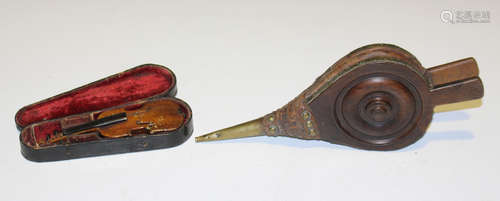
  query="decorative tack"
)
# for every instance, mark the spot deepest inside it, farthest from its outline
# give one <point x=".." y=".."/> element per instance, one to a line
<point x="309" y="124"/>
<point x="312" y="132"/>
<point x="272" y="129"/>
<point x="306" y="115"/>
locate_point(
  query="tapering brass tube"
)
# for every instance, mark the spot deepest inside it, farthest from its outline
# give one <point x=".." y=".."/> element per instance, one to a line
<point x="247" y="129"/>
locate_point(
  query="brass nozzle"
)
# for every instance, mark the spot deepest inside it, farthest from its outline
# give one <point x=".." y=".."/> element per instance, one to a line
<point x="247" y="129"/>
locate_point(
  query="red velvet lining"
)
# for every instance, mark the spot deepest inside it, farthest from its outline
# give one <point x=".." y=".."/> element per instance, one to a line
<point x="135" y="84"/>
<point x="46" y="130"/>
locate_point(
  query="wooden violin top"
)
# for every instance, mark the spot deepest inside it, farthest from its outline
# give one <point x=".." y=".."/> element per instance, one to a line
<point x="145" y="118"/>
<point x="148" y="118"/>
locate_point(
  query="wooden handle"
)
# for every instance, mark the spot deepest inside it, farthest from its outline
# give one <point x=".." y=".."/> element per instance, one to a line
<point x="455" y="82"/>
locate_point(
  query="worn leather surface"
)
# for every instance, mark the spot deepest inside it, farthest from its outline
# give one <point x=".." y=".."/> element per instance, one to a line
<point x="338" y="106"/>
<point x="295" y="119"/>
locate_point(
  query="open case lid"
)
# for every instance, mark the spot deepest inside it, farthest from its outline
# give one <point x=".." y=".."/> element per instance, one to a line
<point x="145" y="81"/>
<point x="45" y="119"/>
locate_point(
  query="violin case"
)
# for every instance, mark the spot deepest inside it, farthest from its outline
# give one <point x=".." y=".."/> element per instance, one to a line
<point x="42" y="120"/>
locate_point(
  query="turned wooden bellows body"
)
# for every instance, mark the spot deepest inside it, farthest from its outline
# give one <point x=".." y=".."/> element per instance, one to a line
<point x="378" y="97"/>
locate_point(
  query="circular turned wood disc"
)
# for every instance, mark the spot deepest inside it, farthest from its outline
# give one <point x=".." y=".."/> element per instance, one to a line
<point x="379" y="105"/>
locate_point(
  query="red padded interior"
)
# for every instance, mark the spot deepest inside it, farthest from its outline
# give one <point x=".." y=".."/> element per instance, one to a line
<point x="137" y="83"/>
<point x="45" y="130"/>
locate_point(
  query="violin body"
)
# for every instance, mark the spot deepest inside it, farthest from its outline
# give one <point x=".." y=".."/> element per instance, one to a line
<point x="145" y="118"/>
<point x="148" y="118"/>
<point x="378" y="97"/>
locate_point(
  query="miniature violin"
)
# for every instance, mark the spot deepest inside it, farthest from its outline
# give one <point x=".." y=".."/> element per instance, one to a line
<point x="378" y="97"/>
<point x="147" y="118"/>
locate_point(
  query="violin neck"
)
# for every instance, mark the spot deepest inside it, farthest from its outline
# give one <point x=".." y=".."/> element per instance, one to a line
<point x="112" y="119"/>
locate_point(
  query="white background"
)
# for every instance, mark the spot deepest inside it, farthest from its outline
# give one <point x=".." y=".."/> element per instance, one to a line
<point x="236" y="61"/>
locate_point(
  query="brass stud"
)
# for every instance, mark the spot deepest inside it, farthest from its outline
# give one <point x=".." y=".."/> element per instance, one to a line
<point x="309" y="124"/>
<point x="272" y="129"/>
<point x="312" y="132"/>
<point x="306" y="115"/>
